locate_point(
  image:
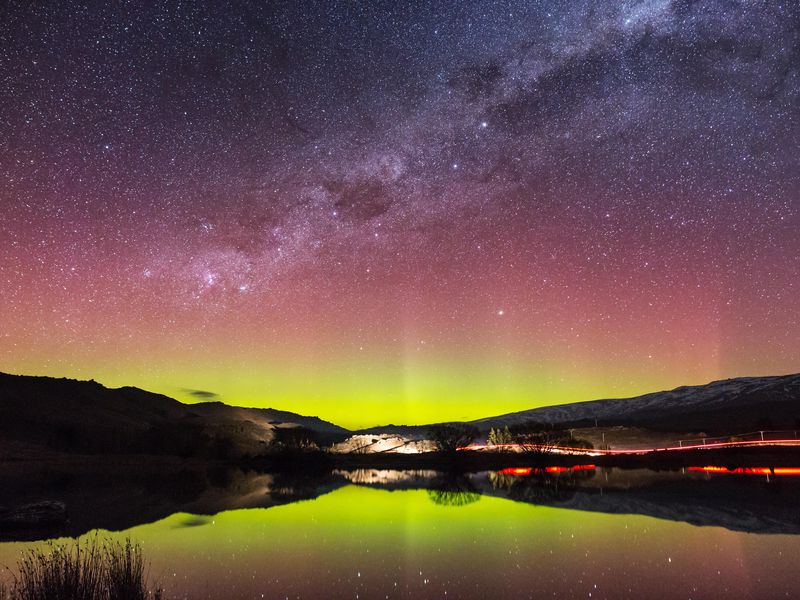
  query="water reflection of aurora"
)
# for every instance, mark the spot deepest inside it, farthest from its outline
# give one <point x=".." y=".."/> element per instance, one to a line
<point x="378" y="543"/>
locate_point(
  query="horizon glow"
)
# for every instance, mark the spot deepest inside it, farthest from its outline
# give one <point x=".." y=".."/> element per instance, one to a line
<point x="384" y="213"/>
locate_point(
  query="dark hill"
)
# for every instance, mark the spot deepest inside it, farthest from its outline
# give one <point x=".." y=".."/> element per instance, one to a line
<point x="84" y="417"/>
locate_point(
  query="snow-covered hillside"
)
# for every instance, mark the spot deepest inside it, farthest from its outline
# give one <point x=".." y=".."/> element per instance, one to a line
<point x="778" y="396"/>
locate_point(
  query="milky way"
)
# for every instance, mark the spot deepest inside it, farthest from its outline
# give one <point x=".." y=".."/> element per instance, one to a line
<point x="400" y="211"/>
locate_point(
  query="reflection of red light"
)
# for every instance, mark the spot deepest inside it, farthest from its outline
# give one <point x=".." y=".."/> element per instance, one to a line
<point x="516" y="471"/>
<point x="749" y="470"/>
<point x="521" y="471"/>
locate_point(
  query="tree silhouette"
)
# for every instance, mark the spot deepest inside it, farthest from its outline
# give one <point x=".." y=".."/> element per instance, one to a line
<point x="449" y="437"/>
<point x="445" y="498"/>
<point x="499" y="437"/>
<point x="449" y="489"/>
<point x="295" y="439"/>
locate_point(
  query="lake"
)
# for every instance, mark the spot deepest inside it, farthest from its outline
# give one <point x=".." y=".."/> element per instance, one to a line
<point x="517" y="533"/>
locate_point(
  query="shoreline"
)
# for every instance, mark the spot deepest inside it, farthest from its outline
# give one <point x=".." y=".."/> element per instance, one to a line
<point x="461" y="461"/>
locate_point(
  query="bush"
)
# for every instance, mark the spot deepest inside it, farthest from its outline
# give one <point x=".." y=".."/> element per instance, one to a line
<point x="92" y="571"/>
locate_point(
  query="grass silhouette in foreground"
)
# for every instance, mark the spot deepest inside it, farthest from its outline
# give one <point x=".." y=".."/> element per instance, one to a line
<point x="93" y="570"/>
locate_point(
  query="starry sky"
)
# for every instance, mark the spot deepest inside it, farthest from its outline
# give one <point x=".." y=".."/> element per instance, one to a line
<point x="400" y="211"/>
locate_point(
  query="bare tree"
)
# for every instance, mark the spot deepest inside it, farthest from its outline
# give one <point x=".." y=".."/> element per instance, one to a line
<point x="538" y="438"/>
<point x="449" y="437"/>
<point x="542" y="442"/>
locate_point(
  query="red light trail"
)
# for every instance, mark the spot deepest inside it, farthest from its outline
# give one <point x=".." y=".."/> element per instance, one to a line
<point x="606" y="452"/>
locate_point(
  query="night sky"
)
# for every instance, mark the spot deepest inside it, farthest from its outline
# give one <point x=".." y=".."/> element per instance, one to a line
<point x="400" y="211"/>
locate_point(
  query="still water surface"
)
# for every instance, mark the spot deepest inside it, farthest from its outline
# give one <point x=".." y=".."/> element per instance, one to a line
<point x="388" y="535"/>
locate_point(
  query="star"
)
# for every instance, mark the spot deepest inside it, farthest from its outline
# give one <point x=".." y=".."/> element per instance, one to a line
<point x="303" y="184"/>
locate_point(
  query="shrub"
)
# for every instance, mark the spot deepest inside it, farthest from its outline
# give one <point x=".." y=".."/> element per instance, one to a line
<point x="94" y="570"/>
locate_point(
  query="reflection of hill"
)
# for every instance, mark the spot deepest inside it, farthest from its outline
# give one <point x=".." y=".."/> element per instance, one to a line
<point x="121" y="496"/>
<point x="763" y="518"/>
<point x="737" y="503"/>
<point x="747" y="504"/>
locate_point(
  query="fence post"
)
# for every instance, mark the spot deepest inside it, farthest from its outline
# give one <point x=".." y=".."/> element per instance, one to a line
<point x="762" y="436"/>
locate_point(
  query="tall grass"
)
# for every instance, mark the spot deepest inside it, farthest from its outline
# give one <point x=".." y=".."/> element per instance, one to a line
<point x="94" y="570"/>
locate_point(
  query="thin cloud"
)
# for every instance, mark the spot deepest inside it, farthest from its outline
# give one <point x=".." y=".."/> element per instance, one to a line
<point x="202" y="394"/>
